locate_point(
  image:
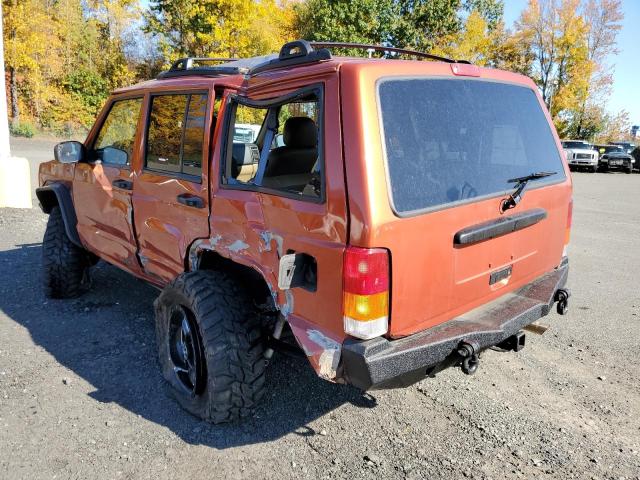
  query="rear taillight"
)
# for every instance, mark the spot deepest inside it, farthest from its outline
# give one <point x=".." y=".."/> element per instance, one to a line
<point x="567" y="233"/>
<point x="366" y="292"/>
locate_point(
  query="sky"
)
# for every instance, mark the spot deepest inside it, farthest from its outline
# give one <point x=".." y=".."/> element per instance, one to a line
<point x="626" y="77"/>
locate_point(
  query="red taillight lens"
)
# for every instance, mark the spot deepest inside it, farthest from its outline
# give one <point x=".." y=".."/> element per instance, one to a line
<point x="366" y="270"/>
<point x="366" y="292"/>
<point x="567" y="235"/>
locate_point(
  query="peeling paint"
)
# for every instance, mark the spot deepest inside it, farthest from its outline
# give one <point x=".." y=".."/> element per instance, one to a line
<point x="194" y="254"/>
<point x="287" y="308"/>
<point x="329" y="358"/>
<point x="267" y="237"/>
<point x="238" y="246"/>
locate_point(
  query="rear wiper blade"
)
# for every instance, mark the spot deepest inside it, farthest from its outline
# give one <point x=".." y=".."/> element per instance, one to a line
<point x="521" y="183"/>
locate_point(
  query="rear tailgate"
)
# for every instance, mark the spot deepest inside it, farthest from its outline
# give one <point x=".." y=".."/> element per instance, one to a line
<point x="449" y="148"/>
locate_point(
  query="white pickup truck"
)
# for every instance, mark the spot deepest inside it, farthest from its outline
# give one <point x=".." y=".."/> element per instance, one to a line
<point x="581" y="154"/>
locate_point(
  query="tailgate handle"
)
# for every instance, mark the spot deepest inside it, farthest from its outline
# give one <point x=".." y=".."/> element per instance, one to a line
<point x="123" y="184"/>
<point x="190" y="200"/>
<point x="496" y="228"/>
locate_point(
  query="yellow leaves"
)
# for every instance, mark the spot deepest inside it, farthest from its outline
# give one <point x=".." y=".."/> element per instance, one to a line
<point x="220" y="28"/>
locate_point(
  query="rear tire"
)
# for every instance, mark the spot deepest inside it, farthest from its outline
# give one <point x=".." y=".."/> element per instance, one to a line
<point x="64" y="264"/>
<point x="215" y="363"/>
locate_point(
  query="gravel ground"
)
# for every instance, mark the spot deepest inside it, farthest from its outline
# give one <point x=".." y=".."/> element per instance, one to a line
<point x="81" y="394"/>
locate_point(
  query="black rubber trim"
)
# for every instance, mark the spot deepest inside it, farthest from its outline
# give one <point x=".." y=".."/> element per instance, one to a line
<point x="57" y="194"/>
<point x="496" y="228"/>
<point x="383" y="363"/>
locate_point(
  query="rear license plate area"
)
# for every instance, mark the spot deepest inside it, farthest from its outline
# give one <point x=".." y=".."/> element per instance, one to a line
<point x="499" y="275"/>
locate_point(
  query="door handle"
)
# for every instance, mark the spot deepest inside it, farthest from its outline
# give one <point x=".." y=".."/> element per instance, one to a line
<point x="190" y="200"/>
<point x="123" y="184"/>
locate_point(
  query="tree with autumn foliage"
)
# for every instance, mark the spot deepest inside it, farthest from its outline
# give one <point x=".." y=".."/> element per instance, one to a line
<point x="218" y="28"/>
<point x="568" y="44"/>
<point x="64" y="57"/>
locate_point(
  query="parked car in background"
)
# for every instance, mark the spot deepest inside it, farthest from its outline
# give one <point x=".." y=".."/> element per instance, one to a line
<point x="628" y="147"/>
<point x="636" y="156"/>
<point x="616" y="160"/>
<point x="605" y="149"/>
<point x="581" y="154"/>
<point x="245" y="132"/>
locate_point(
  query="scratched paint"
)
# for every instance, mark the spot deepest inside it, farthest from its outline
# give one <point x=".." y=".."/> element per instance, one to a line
<point x="238" y="246"/>
<point x="267" y="237"/>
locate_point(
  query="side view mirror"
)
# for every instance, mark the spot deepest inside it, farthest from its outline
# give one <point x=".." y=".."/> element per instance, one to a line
<point x="69" y="152"/>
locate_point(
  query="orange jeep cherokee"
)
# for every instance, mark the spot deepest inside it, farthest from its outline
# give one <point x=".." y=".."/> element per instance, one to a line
<point x="389" y="217"/>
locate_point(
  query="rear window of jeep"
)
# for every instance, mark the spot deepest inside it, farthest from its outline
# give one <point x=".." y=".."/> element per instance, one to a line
<point x="451" y="141"/>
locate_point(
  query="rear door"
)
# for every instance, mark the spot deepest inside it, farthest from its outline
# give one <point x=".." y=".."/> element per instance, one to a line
<point x="171" y="195"/>
<point x="295" y="203"/>
<point x="102" y="186"/>
<point x="453" y="148"/>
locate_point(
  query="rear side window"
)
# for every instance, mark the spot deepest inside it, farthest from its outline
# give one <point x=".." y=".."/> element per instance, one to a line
<point x="176" y="133"/>
<point x="276" y="147"/>
<point x="449" y="141"/>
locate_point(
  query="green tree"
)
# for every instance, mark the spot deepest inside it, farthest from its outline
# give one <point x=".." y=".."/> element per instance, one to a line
<point x="491" y="11"/>
<point x="359" y="21"/>
<point x="421" y="23"/>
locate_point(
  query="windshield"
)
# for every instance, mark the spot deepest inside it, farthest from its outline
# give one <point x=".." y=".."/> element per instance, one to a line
<point x="626" y="146"/>
<point x="613" y="148"/>
<point x="453" y="140"/>
<point x="582" y="145"/>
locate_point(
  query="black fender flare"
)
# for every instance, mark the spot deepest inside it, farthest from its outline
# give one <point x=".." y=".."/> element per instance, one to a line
<point x="57" y="194"/>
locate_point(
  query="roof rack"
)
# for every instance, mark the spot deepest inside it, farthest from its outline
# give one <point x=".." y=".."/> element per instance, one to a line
<point x="381" y="48"/>
<point x="201" y="66"/>
<point x="298" y="52"/>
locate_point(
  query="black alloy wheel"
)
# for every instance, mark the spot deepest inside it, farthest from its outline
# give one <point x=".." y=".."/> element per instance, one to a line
<point x="186" y="351"/>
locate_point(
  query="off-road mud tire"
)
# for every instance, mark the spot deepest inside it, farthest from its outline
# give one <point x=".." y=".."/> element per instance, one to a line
<point x="64" y="264"/>
<point x="229" y="329"/>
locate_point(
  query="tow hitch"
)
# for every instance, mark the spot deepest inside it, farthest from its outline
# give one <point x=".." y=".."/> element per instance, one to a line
<point x="470" y="357"/>
<point x="562" y="297"/>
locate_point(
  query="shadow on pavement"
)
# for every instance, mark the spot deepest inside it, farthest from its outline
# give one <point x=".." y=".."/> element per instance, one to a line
<point x="107" y="338"/>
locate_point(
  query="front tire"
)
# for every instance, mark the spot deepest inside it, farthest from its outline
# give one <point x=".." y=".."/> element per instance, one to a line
<point x="64" y="264"/>
<point x="210" y="346"/>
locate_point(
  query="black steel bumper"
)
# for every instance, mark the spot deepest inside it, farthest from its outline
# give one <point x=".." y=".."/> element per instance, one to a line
<point x="383" y="363"/>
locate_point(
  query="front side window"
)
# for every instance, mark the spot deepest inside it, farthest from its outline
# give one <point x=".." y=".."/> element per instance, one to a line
<point x="449" y="141"/>
<point x="175" y="133"/>
<point x="276" y="147"/>
<point x="116" y="138"/>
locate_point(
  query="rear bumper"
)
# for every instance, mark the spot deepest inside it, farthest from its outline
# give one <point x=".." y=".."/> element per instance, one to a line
<point x="384" y="363"/>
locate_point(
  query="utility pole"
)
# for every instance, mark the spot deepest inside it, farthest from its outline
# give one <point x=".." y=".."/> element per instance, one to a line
<point x="5" y="151"/>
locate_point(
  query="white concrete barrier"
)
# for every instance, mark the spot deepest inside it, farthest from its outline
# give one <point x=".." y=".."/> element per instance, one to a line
<point x="15" y="183"/>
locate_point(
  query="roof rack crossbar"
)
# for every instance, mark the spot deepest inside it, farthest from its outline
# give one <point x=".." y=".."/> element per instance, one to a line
<point x="382" y="48"/>
<point x="187" y="63"/>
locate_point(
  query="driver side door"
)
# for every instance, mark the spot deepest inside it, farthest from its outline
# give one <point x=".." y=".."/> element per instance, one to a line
<point x="103" y="185"/>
